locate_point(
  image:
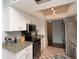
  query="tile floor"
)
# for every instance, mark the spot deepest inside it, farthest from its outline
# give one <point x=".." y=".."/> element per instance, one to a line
<point x="51" y="51"/>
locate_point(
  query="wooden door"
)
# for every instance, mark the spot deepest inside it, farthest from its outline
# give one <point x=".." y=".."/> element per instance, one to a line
<point x="49" y="33"/>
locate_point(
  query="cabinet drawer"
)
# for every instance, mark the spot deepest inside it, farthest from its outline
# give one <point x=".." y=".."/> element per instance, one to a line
<point x="25" y="51"/>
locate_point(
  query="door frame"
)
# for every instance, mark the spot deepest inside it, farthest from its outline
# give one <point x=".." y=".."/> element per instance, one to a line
<point x="60" y="45"/>
<point x="49" y="38"/>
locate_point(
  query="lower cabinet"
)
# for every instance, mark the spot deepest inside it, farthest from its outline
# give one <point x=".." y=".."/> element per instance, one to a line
<point x="26" y="53"/>
<point x="23" y="57"/>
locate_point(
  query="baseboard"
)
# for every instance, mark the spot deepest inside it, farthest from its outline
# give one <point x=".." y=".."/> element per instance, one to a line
<point x="58" y="45"/>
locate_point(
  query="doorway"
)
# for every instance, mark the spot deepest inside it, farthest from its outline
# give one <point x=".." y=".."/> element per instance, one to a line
<point x="56" y="33"/>
<point x="49" y="33"/>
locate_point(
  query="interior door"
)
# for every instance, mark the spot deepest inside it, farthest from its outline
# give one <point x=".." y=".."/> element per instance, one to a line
<point x="49" y="33"/>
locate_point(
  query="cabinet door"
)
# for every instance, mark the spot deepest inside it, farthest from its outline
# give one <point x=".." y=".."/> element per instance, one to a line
<point x="14" y="19"/>
<point x="26" y="53"/>
<point x="28" y="56"/>
<point x="29" y="52"/>
<point x="23" y="57"/>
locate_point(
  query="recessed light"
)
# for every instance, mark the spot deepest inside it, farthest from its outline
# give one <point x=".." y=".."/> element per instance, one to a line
<point x="52" y="8"/>
<point x="53" y="11"/>
<point x="50" y="21"/>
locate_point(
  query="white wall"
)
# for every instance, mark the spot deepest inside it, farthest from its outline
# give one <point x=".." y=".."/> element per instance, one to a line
<point x="41" y="27"/>
<point x="72" y="9"/>
<point x="58" y="34"/>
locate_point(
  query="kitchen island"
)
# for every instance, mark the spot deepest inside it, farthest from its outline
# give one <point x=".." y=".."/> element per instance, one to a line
<point x="17" y="50"/>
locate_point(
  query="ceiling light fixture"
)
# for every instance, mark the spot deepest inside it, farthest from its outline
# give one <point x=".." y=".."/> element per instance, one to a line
<point x="53" y="11"/>
<point x="52" y="8"/>
<point x="50" y="21"/>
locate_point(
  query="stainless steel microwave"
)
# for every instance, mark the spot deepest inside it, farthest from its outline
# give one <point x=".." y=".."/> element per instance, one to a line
<point x="31" y="27"/>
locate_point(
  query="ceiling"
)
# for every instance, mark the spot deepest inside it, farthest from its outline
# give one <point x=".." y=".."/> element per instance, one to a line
<point x="32" y="8"/>
<point x="59" y="9"/>
<point x="41" y="1"/>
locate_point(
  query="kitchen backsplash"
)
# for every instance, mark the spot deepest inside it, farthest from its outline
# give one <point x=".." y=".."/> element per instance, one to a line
<point x="11" y="34"/>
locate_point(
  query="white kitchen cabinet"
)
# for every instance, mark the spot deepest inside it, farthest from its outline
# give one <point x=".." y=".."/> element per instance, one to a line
<point x="26" y="53"/>
<point x="23" y="57"/>
<point x="13" y="19"/>
<point x="16" y="21"/>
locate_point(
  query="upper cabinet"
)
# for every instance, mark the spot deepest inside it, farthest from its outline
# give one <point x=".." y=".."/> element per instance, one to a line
<point x="14" y="19"/>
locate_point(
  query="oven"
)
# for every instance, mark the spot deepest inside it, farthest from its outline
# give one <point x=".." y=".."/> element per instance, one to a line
<point x="37" y="48"/>
<point x="36" y="44"/>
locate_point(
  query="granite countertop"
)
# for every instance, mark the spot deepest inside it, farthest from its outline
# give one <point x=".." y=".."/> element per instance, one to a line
<point x="16" y="47"/>
<point x="37" y="36"/>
